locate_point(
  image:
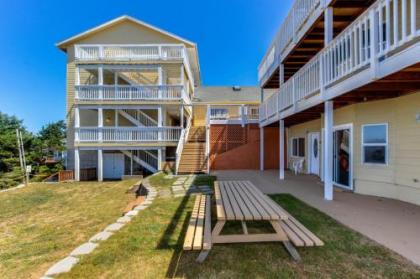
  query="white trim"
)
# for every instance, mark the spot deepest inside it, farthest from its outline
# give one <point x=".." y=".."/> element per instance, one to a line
<point x="98" y="28"/>
<point x="386" y="145"/>
<point x="351" y="153"/>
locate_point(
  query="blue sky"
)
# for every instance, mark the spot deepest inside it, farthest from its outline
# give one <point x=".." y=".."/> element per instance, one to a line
<point x="232" y="36"/>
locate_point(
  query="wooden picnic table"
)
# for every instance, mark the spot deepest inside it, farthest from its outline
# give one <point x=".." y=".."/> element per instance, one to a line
<point x="243" y="201"/>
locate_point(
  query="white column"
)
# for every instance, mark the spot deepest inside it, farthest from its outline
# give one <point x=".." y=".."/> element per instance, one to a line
<point x="160" y="80"/>
<point x="100" y="81"/>
<point x="374" y="33"/>
<point x="76" y="123"/>
<point x="116" y="118"/>
<point x="181" y="117"/>
<point x="281" y="74"/>
<point x="243" y="115"/>
<point x="100" y="165"/>
<point x="76" y="165"/>
<point x="281" y="149"/>
<point x="261" y="148"/>
<point x="131" y="162"/>
<point x="328" y="150"/>
<point x="159" y="167"/>
<point x="100" y="123"/>
<point x="328" y="26"/>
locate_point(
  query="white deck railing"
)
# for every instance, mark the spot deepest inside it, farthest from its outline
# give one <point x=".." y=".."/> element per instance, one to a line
<point x="134" y="53"/>
<point x="375" y="36"/>
<point x="242" y="113"/>
<point x="130" y="92"/>
<point x="182" y="141"/>
<point x="129" y="52"/>
<point x="288" y="33"/>
<point x="122" y="134"/>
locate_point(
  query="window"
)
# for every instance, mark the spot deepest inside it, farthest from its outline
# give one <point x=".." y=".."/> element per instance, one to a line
<point x="298" y="147"/>
<point x="219" y="113"/>
<point x="375" y="144"/>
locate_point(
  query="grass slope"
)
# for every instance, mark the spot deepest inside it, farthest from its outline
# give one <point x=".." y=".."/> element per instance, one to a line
<point x="43" y="223"/>
<point x="151" y="247"/>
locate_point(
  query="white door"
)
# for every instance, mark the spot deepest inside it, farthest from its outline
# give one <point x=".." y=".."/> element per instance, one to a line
<point x="113" y="165"/>
<point x="314" y="149"/>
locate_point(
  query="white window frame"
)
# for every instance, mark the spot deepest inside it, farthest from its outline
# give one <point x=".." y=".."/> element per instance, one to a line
<point x="291" y="149"/>
<point x="386" y="144"/>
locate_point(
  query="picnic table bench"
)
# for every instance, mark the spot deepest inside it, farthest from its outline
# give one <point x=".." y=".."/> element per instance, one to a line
<point x="243" y="201"/>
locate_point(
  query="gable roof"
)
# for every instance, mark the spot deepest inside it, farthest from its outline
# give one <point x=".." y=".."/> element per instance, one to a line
<point x="226" y="94"/>
<point x="63" y="44"/>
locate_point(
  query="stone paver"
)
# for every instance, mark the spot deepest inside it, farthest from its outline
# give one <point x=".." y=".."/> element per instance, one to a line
<point x="84" y="249"/>
<point x="114" y="227"/>
<point x="62" y="266"/>
<point x="132" y="213"/>
<point x="102" y="236"/>
<point x="124" y="219"/>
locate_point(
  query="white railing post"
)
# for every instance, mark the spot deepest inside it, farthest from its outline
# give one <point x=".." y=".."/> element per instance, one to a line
<point x="101" y="52"/>
<point x="77" y="123"/>
<point x="160" y="81"/>
<point x="243" y="116"/>
<point x="413" y="17"/>
<point x="329" y="27"/>
<point x="374" y="24"/>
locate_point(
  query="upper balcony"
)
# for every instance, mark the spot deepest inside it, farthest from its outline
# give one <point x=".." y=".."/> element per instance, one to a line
<point x="127" y="53"/>
<point x="360" y="64"/>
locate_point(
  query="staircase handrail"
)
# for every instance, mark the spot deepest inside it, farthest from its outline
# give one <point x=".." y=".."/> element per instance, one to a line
<point x="182" y="140"/>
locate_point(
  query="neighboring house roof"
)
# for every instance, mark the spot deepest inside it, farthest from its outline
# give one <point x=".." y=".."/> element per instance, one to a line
<point x="227" y="94"/>
<point x="64" y="44"/>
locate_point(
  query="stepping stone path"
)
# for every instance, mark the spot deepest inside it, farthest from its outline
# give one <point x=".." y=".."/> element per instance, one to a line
<point x="184" y="186"/>
<point x="66" y="264"/>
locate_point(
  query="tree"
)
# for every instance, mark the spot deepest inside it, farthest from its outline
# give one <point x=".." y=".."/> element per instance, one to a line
<point x="52" y="137"/>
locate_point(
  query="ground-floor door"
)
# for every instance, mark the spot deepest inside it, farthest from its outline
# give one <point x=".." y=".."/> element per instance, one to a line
<point x="113" y="165"/>
<point x="314" y="153"/>
<point x="342" y="156"/>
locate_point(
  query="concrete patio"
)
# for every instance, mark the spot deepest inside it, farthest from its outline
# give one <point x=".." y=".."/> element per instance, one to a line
<point x="391" y="223"/>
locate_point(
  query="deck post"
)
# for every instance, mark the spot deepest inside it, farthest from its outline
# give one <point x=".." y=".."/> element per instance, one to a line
<point x="328" y="150"/>
<point x="281" y="149"/>
<point x="100" y="123"/>
<point x="328" y="29"/>
<point x="100" y="165"/>
<point x="76" y="164"/>
<point x="281" y="74"/>
<point x="160" y="154"/>
<point x="261" y="148"/>
<point x="181" y="117"/>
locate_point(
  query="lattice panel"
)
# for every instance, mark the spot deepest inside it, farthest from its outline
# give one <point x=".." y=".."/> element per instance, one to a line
<point x="227" y="137"/>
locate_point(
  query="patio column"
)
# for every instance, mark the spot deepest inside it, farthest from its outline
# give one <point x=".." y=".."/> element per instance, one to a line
<point x="281" y="149"/>
<point x="261" y="148"/>
<point x="100" y="123"/>
<point x="328" y="28"/>
<point x="181" y="117"/>
<point x="76" y="165"/>
<point x="100" y="165"/>
<point x="160" y="154"/>
<point x="328" y="150"/>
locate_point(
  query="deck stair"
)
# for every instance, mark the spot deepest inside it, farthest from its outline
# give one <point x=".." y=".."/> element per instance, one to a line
<point x="144" y="158"/>
<point x="193" y="157"/>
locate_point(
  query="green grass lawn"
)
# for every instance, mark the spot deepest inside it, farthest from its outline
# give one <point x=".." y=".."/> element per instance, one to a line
<point x="151" y="247"/>
<point x="43" y="223"/>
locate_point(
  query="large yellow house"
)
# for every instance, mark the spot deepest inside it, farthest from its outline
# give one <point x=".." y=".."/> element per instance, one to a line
<point x="338" y="98"/>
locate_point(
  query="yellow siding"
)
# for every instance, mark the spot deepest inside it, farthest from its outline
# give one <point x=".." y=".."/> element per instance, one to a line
<point x="400" y="178"/>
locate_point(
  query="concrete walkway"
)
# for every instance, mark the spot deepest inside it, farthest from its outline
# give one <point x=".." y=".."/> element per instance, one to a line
<point x="391" y="223"/>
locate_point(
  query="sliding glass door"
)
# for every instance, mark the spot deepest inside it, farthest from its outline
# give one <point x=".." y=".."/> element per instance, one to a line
<point x="342" y="152"/>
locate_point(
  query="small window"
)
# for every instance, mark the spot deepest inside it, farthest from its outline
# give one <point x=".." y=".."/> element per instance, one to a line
<point x="298" y="147"/>
<point x="375" y="144"/>
<point x="219" y="113"/>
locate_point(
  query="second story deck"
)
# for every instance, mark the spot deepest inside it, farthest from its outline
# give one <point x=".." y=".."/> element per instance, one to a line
<point x="382" y="41"/>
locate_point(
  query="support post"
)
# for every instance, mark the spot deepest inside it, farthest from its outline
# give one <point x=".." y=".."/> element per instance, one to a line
<point x="100" y="82"/>
<point x="76" y="165"/>
<point x="281" y="74"/>
<point x="100" y="123"/>
<point x="281" y="149"/>
<point x="328" y="150"/>
<point x="76" y="123"/>
<point x="261" y="148"/>
<point x="160" y="81"/>
<point x="131" y="162"/>
<point x="181" y="117"/>
<point x="329" y="27"/>
<point x="159" y="166"/>
<point x="100" y="165"/>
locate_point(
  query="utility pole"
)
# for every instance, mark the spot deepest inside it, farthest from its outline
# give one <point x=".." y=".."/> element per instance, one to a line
<point x="22" y="158"/>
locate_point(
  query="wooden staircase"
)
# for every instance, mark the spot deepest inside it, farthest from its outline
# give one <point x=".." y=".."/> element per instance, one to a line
<point x="193" y="157"/>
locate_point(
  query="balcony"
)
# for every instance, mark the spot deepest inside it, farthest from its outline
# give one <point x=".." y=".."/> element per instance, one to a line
<point x="129" y="93"/>
<point x="380" y="42"/>
<point x="232" y="114"/>
<point x="133" y="53"/>
<point x="127" y="135"/>
<point x="299" y="19"/>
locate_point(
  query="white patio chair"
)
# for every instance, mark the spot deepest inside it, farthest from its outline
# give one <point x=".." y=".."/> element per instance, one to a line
<point x="297" y="165"/>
